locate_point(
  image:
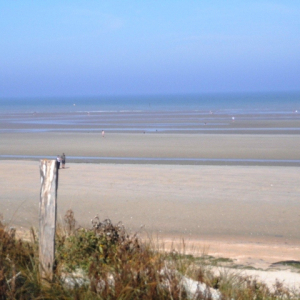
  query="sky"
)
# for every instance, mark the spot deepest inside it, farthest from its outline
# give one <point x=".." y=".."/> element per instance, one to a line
<point x="107" y="47"/>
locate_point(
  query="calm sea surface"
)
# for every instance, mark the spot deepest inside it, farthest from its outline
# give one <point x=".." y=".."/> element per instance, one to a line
<point x="238" y="103"/>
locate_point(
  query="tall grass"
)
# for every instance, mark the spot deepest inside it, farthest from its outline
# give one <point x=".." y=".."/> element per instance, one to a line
<point x="105" y="262"/>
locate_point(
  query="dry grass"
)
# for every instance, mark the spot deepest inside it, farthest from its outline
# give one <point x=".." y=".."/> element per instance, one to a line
<point x="105" y="262"/>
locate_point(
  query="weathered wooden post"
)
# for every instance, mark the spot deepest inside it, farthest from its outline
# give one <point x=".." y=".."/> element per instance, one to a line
<point x="47" y="216"/>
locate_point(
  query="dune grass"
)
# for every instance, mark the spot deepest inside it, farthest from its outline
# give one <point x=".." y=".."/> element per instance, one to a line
<point x="105" y="262"/>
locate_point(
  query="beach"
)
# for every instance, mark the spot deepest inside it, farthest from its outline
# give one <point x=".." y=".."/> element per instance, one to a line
<point x="218" y="177"/>
<point x="234" y="210"/>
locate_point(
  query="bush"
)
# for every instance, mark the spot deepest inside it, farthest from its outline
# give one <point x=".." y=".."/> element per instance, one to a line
<point x="105" y="262"/>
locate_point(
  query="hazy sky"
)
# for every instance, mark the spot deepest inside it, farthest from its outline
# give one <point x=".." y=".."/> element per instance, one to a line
<point x="75" y="48"/>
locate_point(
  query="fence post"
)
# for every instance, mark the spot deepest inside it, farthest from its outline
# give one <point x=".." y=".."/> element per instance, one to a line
<point x="47" y="216"/>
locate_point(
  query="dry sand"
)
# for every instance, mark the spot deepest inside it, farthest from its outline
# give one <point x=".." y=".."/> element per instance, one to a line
<point x="216" y="205"/>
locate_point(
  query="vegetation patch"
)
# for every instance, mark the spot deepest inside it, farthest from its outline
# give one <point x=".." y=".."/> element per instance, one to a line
<point x="105" y="262"/>
<point x="289" y="263"/>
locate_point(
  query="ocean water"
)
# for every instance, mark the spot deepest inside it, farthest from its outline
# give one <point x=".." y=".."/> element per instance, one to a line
<point x="177" y="113"/>
<point x="233" y="103"/>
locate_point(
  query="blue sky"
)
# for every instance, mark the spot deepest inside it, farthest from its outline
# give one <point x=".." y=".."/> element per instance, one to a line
<point x="76" y="48"/>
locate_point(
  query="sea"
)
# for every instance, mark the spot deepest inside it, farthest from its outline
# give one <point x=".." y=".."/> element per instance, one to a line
<point x="155" y="113"/>
<point x="239" y="103"/>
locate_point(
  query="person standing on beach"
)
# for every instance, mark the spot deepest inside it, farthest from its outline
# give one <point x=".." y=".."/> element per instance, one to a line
<point x="58" y="160"/>
<point x="103" y="133"/>
<point x="63" y="160"/>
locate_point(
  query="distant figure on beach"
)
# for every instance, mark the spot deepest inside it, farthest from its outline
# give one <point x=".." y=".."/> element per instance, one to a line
<point x="58" y="160"/>
<point x="103" y="133"/>
<point x="63" y="160"/>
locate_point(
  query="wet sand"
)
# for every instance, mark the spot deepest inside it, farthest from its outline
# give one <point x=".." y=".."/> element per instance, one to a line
<point x="154" y="145"/>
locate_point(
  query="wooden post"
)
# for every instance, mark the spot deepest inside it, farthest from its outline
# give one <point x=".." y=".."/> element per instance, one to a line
<point x="47" y="216"/>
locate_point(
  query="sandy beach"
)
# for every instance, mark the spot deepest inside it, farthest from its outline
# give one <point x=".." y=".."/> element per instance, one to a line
<point x="241" y="209"/>
<point x="182" y="122"/>
<point x="212" y="204"/>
